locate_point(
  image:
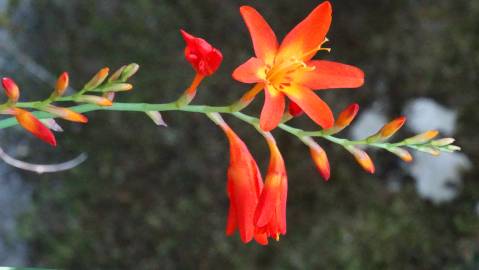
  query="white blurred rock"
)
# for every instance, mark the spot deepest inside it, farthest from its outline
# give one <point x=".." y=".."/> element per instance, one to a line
<point x="437" y="178"/>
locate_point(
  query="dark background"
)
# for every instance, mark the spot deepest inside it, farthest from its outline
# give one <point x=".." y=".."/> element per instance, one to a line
<point x="154" y="198"/>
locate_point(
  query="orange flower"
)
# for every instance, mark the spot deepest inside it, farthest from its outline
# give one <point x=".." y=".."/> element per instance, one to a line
<point x="29" y="122"/>
<point x="344" y="119"/>
<point x="270" y="215"/>
<point x="287" y="69"/>
<point x="204" y="58"/>
<point x="11" y="89"/>
<point x="244" y="187"/>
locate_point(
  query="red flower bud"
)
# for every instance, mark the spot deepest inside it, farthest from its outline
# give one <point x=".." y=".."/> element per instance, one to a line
<point x="29" y="122"/>
<point x="294" y="109"/>
<point x="11" y="89"/>
<point x="204" y="58"/>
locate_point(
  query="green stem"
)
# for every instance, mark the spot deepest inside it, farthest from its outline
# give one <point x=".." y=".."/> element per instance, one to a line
<point x="204" y="109"/>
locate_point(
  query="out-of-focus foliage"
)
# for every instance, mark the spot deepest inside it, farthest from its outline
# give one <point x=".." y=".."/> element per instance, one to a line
<point x="150" y="197"/>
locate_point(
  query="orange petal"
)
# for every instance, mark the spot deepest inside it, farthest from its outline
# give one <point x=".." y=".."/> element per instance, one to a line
<point x="264" y="40"/>
<point x="329" y="74"/>
<point x="273" y="109"/>
<point x="231" y="222"/>
<point x="311" y="104"/>
<point x="251" y="71"/>
<point x="308" y="35"/>
<point x="66" y="114"/>
<point x="29" y="122"/>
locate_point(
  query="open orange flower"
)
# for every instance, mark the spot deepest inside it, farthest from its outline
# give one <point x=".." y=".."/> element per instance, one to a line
<point x="244" y="188"/>
<point x="270" y="215"/>
<point x="287" y="69"/>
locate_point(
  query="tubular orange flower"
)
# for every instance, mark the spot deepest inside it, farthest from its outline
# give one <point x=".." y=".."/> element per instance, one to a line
<point x="204" y="58"/>
<point x="287" y="69"/>
<point x="29" y="122"/>
<point x="243" y="188"/>
<point x="62" y="84"/>
<point x="66" y="114"/>
<point x="270" y="215"/>
<point x="11" y="89"/>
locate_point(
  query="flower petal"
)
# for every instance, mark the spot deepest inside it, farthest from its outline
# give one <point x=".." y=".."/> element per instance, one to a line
<point x="329" y="74"/>
<point x="308" y="35"/>
<point x="311" y="104"/>
<point x="251" y="71"/>
<point x="264" y="40"/>
<point x="273" y="109"/>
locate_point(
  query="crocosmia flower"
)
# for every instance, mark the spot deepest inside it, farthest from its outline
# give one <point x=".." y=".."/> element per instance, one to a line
<point x="204" y="58"/>
<point x="244" y="187"/>
<point x="287" y="69"/>
<point x="270" y="216"/>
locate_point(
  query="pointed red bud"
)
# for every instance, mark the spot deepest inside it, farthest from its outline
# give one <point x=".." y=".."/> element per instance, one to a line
<point x="29" y="122"/>
<point x="11" y="89"/>
<point x="294" y="109"/>
<point x="320" y="158"/>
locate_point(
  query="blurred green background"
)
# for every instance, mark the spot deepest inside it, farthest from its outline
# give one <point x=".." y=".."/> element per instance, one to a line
<point x="154" y="198"/>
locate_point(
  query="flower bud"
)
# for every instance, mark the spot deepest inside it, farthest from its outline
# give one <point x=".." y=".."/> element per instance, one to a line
<point x="11" y="89"/>
<point x="344" y="119"/>
<point x="117" y="74"/>
<point x="129" y="71"/>
<point x="347" y="116"/>
<point x="392" y="127"/>
<point x="320" y="159"/>
<point x="362" y="158"/>
<point x="203" y="57"/>
<point x="66" y="114"/>
<point x="157" y="118"/>
<point x="430" y="150"/>
<point x="98" y="79"/>
<point x="62" y="84"/>
<point x="422" y="138"/>
<point x="100" y="101"/>
<point x="294" y="110"/>
<point x="402" y="153"/>
<point x="443" y="142"/>
<point x="50" y="123"/>
<point x="117" y="87"/>
<point x="29" y="122"/>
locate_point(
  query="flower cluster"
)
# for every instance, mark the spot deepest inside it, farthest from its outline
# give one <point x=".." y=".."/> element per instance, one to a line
<point x="285" y="71"/>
